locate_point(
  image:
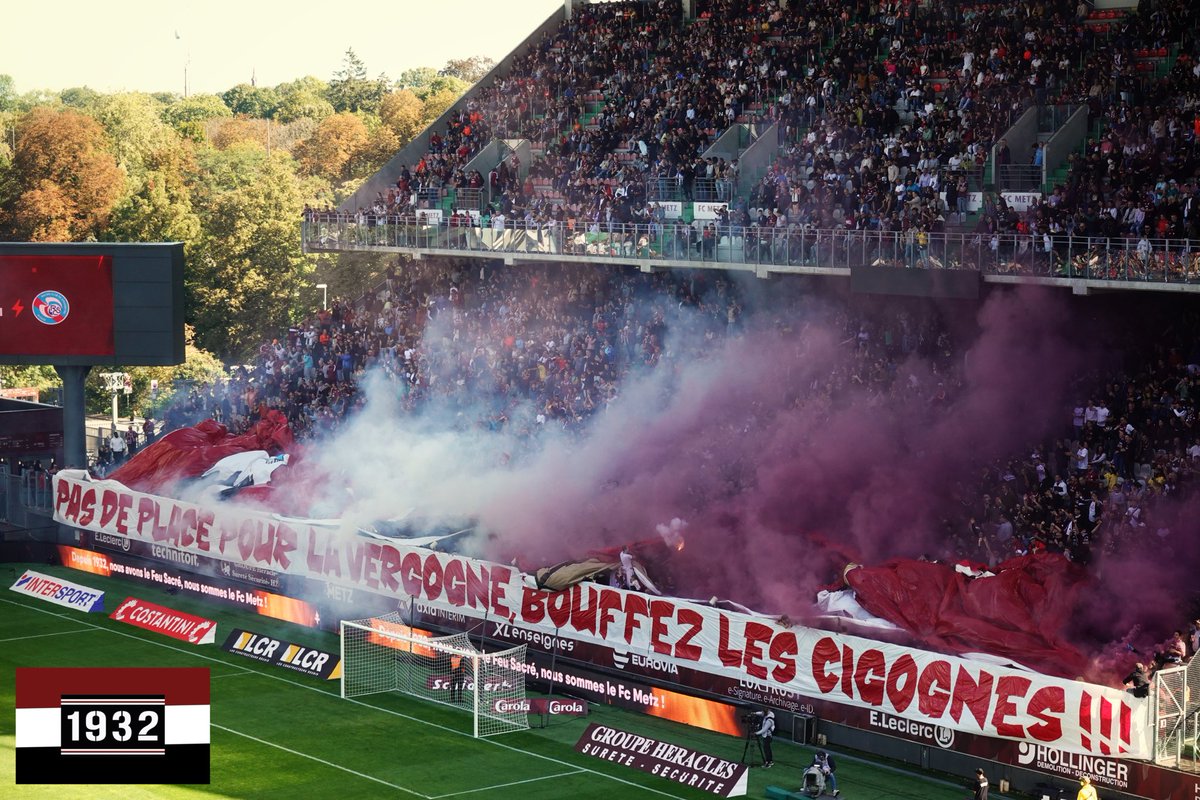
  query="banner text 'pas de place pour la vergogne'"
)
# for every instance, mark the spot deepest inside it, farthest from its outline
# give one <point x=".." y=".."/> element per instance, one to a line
<point x="915" y="684"/>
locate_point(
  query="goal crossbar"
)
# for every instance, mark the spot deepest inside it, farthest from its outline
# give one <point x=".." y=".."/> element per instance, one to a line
<point x="383" y="654"/>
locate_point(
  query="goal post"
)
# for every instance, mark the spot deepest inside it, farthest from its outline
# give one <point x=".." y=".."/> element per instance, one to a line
<point x="383" y="654"/>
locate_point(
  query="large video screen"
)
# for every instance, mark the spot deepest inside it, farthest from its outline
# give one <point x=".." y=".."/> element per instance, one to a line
<point x="56" y="305"/>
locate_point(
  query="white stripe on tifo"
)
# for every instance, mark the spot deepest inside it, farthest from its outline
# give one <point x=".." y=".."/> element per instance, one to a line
<point x="40" y="635"/>
<point x="512" y="783"/>
<point x="281" y="679"/>
<point x="362" y="775"/>
<point x="42" y="727"/>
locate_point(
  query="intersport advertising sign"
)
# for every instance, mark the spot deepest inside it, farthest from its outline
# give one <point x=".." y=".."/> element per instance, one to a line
<point x="59" y="591"/>
<point x="915" y="685"/>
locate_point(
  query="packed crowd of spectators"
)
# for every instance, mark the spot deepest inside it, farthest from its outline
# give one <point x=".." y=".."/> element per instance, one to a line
<point x="535" y="347"/>
<point x="889" y="113"/>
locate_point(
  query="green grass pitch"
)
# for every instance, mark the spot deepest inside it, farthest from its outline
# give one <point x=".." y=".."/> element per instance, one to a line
<point x="280" y="734"/>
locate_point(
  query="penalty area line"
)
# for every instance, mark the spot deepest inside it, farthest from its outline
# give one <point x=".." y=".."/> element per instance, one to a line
<point x="356" y="773"/>
<point x="511" y="783"/>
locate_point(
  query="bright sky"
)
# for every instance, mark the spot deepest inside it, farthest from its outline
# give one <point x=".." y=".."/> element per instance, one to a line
<point x="131" y="44"/>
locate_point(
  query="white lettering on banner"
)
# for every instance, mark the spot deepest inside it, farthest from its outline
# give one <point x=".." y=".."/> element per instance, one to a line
<point x="1108" y="772"/>
<point x="939" y="735"/>
<point x="921" y="686"/>
<point x="672" y="209"/>
<point x="707" y="210"/>
<point x="1020" y="201"/>
<point x="974" y="202"/>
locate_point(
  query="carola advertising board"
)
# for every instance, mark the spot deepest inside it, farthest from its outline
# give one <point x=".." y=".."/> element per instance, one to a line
<point x="916" y="685"/>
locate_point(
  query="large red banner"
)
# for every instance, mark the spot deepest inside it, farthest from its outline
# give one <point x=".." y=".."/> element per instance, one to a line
<point x="923" y="687"/>
<point x="56" y="305"/>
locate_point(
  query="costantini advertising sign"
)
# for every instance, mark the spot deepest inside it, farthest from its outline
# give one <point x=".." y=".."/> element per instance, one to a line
<point x="922" y="687"/>
<point x="671" y="761"/>
<point x="167" y="621"/>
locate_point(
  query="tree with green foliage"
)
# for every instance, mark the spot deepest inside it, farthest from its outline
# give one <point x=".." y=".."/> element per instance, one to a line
<point x="42" y="378"/>
<point x="135" y="128"/>
<point x="469" y="69"/>
<point x="63" y="182"/>
<point x="8" y="93"/>
<point x="351" y="90"/>
<point x="251" y="101"/>
<point x="416" y="78"/>
<point x="83" y="98"/>
<point x="303" y="99"/>
<point x="247" y="269"/>
<point x="199" y="368"/>
<point x="187" y="115"/>
<point x="158" y="206"/>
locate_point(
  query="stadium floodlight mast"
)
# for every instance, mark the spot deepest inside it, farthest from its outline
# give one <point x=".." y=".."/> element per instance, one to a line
<point x="383" y="654"/>
<point x="114" y="382"/>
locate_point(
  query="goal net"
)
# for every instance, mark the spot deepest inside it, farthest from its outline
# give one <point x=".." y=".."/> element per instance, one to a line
<point x="383" y="654"/>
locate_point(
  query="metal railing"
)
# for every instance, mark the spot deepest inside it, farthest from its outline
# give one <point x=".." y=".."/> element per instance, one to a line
<point x="1019" y="177"/>
<point x="37" y="491"/>
<point x="1175" y="694"/>
<point x="1092" y="258"/>
<point x="468" y="198"/>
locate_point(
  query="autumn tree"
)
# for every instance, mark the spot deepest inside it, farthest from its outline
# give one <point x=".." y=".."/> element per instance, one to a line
<point x="402" y="113"/>
<point x="437" y="104"/>
<point x="63" y="181"/>
<point x="225" y="133"/>
<point x="331" y="151"/>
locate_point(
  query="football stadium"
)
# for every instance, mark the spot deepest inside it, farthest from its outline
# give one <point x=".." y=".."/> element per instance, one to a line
<point x="785" y="399"/>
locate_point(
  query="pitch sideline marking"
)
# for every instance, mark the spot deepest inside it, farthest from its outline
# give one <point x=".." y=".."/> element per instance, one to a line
<point x="511" y="783"/>
<point x="40" y="635"/>
<point x="282" y="679"/>
<point x="320" y="760"/>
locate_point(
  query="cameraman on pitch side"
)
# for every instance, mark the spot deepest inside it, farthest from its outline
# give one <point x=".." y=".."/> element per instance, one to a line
<point x="828" y="768"/>
<point x="766" y="732"/>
